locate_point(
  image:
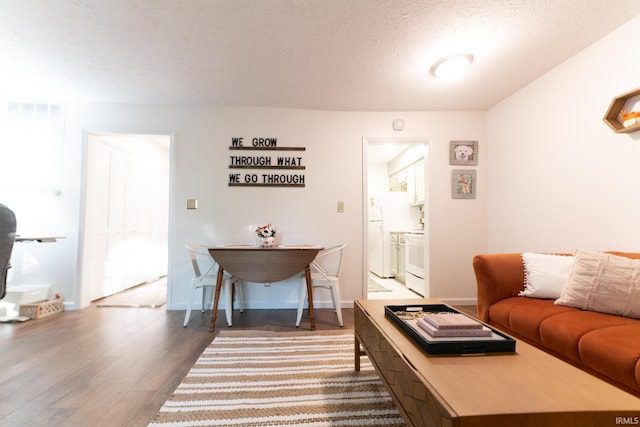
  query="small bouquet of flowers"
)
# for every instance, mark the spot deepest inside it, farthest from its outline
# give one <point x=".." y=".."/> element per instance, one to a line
<point x="267" y="234"/>
<point x="265" y="231"/>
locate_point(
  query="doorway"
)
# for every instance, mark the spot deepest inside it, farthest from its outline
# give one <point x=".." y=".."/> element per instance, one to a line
<point x="395" y="205"/>
<point x="126" y="212"/>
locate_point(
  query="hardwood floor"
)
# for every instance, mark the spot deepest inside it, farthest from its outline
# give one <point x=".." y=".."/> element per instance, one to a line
<point x="111" y="366"/>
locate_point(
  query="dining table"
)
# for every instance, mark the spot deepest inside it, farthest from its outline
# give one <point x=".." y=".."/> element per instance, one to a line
<point x="258" y="264"/>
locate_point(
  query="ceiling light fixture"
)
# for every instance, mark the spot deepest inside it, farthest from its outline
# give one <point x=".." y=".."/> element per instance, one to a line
<point x="452" y="67"/>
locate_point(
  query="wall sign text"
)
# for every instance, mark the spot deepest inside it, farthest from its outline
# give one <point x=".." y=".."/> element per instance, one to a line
<point x="262" y="163"/>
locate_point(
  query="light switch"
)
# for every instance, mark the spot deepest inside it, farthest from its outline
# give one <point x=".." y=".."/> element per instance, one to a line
<point x="192" y="203"/>
<point x="340" y="207"/>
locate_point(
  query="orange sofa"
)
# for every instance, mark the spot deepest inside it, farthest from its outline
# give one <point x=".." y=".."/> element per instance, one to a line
<point x="604" y="345"/>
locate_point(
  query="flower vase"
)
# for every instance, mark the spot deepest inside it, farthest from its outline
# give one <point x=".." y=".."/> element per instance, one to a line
<point x="267" y="242"/>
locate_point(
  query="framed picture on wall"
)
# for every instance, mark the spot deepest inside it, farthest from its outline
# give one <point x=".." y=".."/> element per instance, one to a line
<point x="463" y="184"/>
<point x="463" y="153"/>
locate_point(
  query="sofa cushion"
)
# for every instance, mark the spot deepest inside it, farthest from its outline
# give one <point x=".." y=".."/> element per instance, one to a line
<point x="603" y="282"/>
<point x="545" y="274"/>
<point x="523" y="316"/>
<point x="563" y="332"/>
<point x="615" y="352"/>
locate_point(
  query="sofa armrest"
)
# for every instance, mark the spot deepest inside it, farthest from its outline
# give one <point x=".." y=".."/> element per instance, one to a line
<point x="498" y="276"/>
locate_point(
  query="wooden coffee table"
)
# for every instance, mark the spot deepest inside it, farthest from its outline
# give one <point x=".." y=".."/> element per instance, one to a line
<point x="525" y="388"/>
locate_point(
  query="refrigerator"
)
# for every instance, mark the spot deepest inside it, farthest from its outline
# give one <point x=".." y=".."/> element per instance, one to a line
<point x="388" y="212"/>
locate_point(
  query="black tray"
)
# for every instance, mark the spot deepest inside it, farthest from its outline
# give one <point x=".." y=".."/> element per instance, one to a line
<point x="498" y="343"/>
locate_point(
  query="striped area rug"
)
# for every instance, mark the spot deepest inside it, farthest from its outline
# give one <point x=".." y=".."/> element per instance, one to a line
<point x="280" y="379"/>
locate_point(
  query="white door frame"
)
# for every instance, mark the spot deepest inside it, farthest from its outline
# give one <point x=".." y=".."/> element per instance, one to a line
<point x="365" y="196"/>
<point x="82" y="294"/>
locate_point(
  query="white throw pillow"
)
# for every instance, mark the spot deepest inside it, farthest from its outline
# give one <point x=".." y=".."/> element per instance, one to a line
<point x="603" y="282"/>
<point x="545" y="275"/>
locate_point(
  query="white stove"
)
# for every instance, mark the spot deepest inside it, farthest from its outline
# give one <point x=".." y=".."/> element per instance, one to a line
<point x="415" y="263"/>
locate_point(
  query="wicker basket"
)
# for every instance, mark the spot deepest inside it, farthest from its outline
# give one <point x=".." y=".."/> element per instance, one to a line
<point x="38" y="310"/>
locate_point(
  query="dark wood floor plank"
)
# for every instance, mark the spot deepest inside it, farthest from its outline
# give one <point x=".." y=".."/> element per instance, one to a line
<point x="110" y="366"/>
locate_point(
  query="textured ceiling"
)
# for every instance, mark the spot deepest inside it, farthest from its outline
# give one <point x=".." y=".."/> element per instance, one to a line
<point x="365" y="55"/>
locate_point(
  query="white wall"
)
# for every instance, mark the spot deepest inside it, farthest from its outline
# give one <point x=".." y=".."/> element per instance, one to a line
<point x="559" y="177"/>
<point x="551" y="177"/>
<point x="334" y="173"/>
<point x="38" y="181"/>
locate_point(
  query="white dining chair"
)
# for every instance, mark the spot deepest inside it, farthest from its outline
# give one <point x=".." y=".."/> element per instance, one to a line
<point x="206" y="278"/>
<point x="325" y="269"/>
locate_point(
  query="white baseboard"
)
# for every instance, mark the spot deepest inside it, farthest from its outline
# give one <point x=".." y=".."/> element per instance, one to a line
<point x="263" y="305"/>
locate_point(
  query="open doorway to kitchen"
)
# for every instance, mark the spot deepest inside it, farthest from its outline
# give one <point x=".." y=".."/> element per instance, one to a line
<point x="126" y="212"/>
<point x="395" y="212"/>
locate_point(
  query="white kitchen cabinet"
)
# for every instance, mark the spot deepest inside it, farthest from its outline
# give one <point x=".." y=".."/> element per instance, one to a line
<point x="415" y="182"/>
<point x="398" y="181"/>
<point x="402" y="267"/>
<point x="397" y="250"/>
<point x="393" y="250"/>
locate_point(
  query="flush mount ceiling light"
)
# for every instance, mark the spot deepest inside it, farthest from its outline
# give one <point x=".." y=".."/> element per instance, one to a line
<point x="452" y="67"/>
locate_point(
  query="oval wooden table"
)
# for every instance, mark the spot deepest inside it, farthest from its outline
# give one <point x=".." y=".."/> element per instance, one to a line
<point x="263" y="265"/>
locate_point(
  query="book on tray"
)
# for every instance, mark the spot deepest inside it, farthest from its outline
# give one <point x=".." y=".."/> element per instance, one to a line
<point x="441" y="329"/>
<point x="472" y="331"/>
<point x="446" y="320"/>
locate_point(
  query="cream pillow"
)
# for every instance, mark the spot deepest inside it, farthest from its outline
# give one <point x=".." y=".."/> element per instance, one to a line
<point x="545" y="274"/>
<point x="603" y="282"/>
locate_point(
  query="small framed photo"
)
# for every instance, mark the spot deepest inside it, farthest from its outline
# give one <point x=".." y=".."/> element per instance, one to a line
<point x="463" y="153"/>
<point x="463" y="185"/>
